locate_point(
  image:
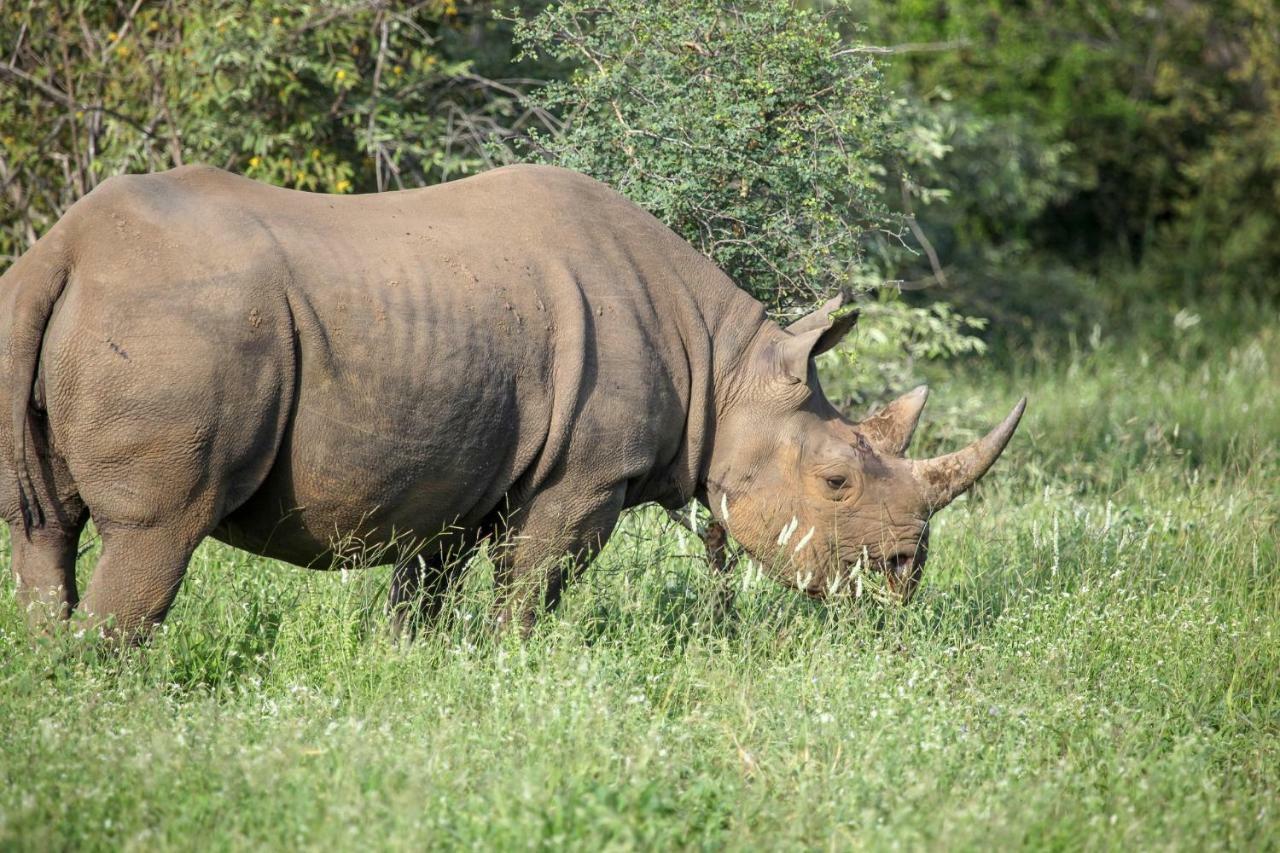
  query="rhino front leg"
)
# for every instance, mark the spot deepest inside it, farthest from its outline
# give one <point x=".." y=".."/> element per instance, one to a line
<point x="421" y="581"/>
<point x="542" y="546"/>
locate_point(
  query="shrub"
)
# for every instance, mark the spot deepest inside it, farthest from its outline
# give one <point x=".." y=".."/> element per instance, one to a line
<point x="758" y="132"/>
<point x="750" y="128"/>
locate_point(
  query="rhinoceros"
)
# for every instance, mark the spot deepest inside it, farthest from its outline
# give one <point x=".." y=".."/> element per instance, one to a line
<point x="516" y="357"/>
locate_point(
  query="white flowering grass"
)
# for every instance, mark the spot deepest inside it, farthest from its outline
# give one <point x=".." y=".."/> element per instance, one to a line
<point x="1093" y="661"/>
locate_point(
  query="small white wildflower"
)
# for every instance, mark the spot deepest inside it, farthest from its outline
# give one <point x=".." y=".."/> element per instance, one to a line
<point x="804" y="540"/>
<point x="724" y="508"/>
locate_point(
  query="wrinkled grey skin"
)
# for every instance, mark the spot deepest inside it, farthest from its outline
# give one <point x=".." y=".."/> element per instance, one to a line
<point x="517" y="356"/>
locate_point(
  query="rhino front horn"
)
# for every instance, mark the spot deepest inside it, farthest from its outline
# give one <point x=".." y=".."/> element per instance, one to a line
<point x="945" y="478"/>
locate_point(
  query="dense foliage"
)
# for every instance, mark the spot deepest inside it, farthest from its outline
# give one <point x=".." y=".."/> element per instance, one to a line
<point x="752" y="129"/>
<point x="756" y="131"/>
<point x="1096" y="154"/>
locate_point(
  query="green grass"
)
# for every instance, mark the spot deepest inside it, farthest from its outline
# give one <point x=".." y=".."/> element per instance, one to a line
<point x="1093" y="661"/>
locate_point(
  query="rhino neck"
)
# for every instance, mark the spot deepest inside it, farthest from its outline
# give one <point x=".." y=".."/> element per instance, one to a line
<point x="736" y="322"/>
<point x="718" y="323"/>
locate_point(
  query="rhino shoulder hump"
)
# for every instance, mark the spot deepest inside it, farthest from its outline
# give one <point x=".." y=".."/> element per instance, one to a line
<point x="125" y="193"/>
<point x="538" y="178"/>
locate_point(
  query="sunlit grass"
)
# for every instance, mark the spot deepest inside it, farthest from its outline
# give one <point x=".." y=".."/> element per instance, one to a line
<point x="1094" y="660"/>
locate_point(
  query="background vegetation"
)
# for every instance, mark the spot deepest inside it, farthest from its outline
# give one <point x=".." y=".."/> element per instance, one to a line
<point x="1041" y="167"/>
<point x="1085" y="191"/>
<point x="1100" y="159"/>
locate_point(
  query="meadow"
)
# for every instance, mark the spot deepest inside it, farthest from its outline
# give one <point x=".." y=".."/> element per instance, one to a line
<point x="1093" y="661"/>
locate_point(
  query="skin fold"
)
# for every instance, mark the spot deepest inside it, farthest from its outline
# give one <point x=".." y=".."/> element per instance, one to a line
<point x="515" y="357"/>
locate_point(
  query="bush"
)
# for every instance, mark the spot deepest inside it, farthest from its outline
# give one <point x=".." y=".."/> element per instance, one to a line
<point x="751" y="129"/>
<point x="756" y="131"/>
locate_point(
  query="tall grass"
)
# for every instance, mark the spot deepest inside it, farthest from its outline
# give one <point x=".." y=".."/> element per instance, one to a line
<point x="1094" y="660"/>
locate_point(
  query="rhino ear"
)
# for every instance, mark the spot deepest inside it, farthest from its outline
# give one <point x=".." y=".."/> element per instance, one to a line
<point x="792" y="353"/>
<point x="830" y="321"/>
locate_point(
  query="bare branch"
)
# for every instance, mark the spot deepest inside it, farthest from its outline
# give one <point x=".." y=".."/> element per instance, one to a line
<point x="939" y="273"/>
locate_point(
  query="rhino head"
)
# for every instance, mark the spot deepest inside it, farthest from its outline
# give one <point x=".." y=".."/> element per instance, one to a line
<point x="813" y="495"/>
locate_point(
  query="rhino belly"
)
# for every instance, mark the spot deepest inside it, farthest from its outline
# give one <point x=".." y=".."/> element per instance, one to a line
<point x="366" y="469"/>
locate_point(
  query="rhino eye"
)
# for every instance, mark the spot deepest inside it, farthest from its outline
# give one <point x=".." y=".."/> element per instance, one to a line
<point x="836" y="482"/>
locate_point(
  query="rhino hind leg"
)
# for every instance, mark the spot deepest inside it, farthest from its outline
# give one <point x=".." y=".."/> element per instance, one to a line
<point x="136" y="579"/>
<point x="153" y="514"/>
<point x="44" y="569"/>
<point x="167" y="427"/>
<point x="153" y="510"/>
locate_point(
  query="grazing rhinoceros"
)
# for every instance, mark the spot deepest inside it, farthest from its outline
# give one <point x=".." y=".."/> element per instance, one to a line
<point x="519" y="355"/>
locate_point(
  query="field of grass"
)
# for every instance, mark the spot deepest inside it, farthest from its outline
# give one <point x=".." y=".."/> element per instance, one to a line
<point x="1093" y="661"/>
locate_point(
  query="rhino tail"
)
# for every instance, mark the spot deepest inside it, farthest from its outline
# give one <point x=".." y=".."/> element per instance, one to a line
<point x="31" y="287"/>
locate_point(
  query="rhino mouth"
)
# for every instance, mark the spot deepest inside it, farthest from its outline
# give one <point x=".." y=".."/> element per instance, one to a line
<point x="893" y="565"/>
<point x="903" y="571"/>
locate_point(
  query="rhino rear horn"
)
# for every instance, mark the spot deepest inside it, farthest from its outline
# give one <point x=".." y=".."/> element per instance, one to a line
<point x="889" y="430"/>
<point x="945" y="478"/>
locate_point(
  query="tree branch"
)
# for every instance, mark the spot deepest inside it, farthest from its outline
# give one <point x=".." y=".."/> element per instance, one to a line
<point x="939" y="273"/>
